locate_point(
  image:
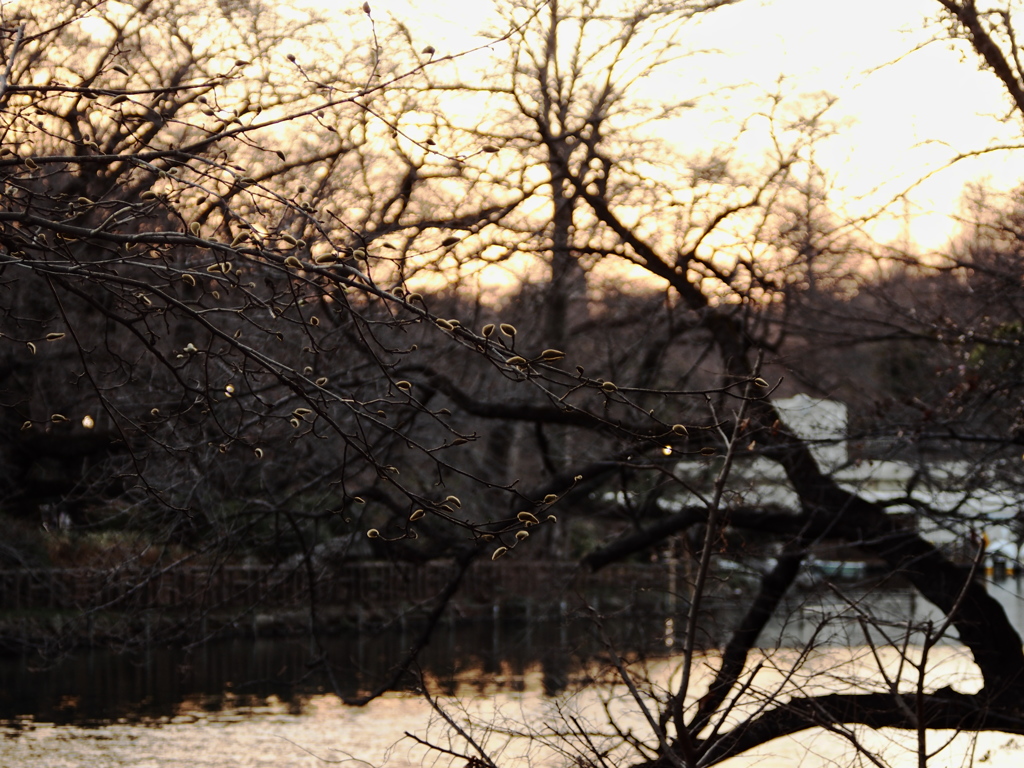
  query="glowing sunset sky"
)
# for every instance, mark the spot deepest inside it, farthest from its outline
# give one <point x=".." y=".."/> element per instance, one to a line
<point x="903" y="113"/>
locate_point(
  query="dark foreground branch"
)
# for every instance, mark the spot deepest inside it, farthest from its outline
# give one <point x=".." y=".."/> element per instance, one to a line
<point x="762" y="519"/>
<point x="945" y="709"/>
<point x="774" y="586"/>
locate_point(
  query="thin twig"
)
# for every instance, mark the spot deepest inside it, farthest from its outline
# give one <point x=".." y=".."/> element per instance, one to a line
<point x="5" y="80"/>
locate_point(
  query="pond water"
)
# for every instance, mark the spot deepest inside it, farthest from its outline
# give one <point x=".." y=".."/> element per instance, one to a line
<point x="319" y="730"/>
<point x="272" y="703"/>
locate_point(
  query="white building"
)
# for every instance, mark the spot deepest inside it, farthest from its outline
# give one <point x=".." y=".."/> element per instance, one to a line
<point x="952" y="519"/>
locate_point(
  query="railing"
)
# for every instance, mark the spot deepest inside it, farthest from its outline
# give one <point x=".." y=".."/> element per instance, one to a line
<point x="374" y="586"/>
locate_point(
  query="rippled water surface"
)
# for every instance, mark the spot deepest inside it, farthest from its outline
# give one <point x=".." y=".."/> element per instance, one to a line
<point x="325" y="732"/>
<point x="261" y="703"/>
<point x="329" y="733"/>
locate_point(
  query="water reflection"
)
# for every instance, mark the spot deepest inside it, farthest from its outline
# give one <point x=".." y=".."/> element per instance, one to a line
<point x="271" y="702"/>
<point x="505" y="654"/>
<point x="274" y="734"/>
<point x="96" y="686"/>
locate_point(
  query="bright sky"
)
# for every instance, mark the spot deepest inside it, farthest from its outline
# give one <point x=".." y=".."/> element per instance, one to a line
<point x="903" y="114"/>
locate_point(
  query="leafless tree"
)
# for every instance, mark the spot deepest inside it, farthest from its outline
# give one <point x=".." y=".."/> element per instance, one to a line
<point x="222" y="328"/>
<point x="724" y="300"/>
